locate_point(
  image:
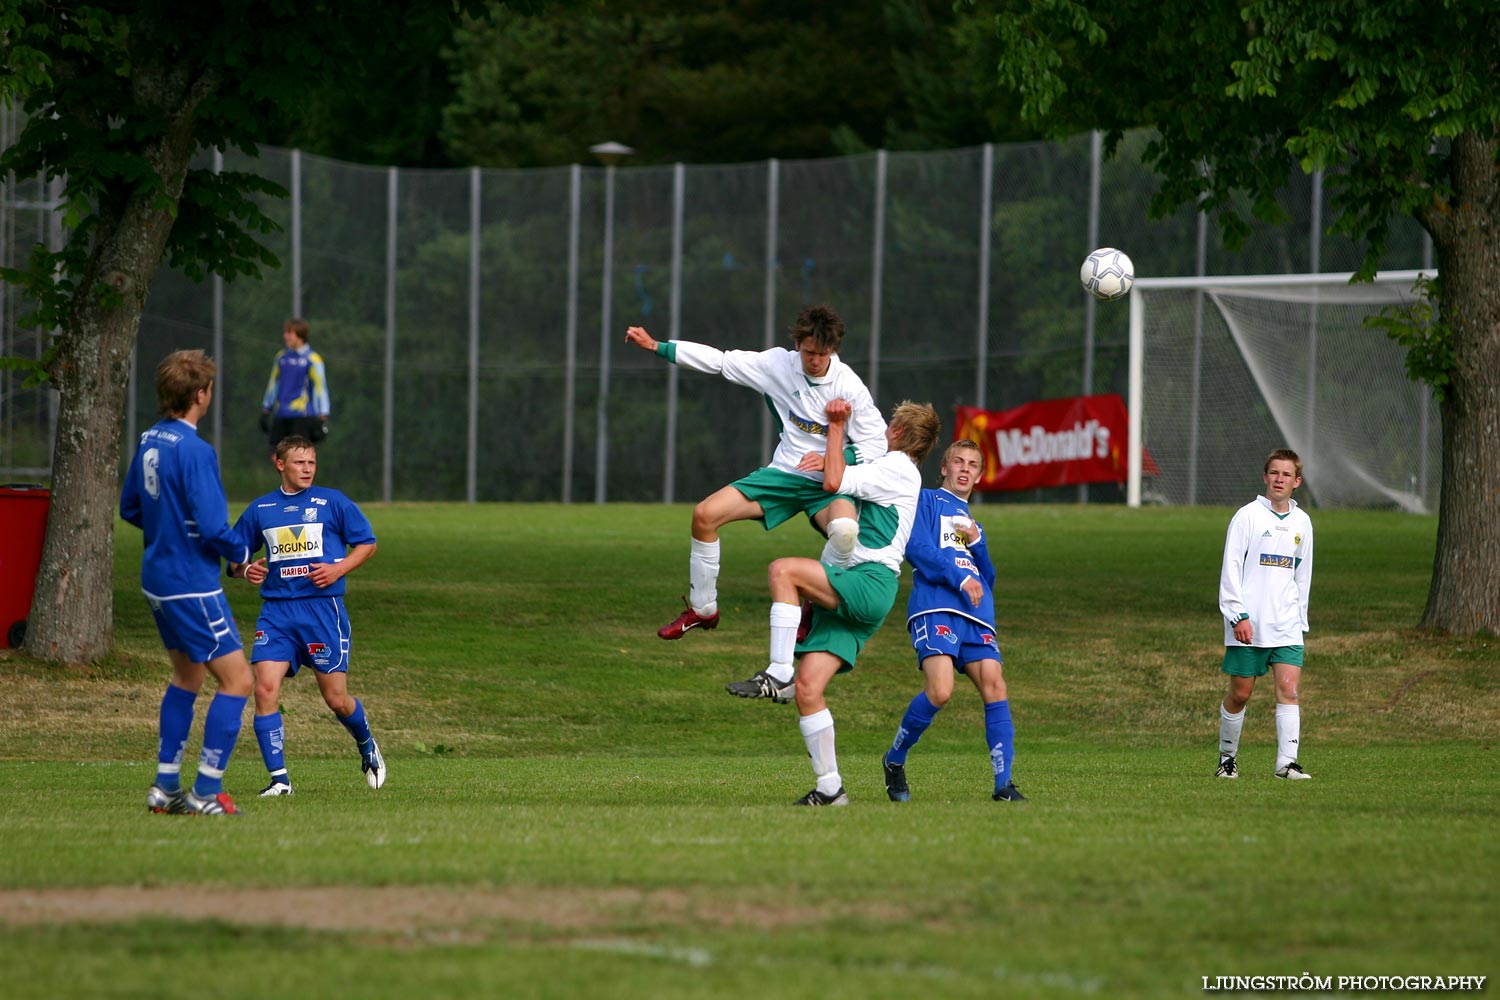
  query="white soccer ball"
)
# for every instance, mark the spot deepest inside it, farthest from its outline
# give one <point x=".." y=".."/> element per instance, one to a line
<point x="1107" y="274"/>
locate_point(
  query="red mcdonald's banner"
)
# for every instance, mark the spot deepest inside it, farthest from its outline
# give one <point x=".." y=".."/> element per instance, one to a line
<point x="1053" y="442"/>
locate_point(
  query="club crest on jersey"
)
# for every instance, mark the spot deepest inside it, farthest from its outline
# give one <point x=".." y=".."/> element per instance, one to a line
<point x="318" y="653"/>
<point x="310" y="514"/>
<point x="1297" y="538"/>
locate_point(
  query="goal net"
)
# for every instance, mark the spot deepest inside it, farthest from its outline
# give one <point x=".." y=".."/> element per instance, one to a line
<point x="1225" y="369"/>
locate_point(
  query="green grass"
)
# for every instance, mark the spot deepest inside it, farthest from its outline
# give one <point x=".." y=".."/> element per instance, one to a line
<point x="576" y="807"/>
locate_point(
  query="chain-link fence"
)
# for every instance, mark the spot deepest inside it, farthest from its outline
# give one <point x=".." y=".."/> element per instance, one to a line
<point x="472" y="321"/>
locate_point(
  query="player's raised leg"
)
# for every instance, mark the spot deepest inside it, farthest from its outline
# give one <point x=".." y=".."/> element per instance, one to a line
<point x="712" y="513"/>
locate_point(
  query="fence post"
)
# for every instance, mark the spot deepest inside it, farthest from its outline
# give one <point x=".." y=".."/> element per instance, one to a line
<point x="388" y="388"/>
<point x="1090" y="306"/>
<point x="471" y="491"/>
<point x="296" y="232"/>
<point x="606" y="297"/>
<point x="877" y="271"/>
<point x="218" y="341"/>
<point x="773" y="221"/>
<point x="674" y="331"/>
<point x="986" y="209"/>
<point x="570" y="352"/>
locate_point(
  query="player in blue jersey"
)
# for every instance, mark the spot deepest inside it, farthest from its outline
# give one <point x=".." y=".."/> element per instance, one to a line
<point x="173" y="494"/>
<point x="314" y="537"/>
<point x="296" y="399"/>
<point x="951" y="618"/>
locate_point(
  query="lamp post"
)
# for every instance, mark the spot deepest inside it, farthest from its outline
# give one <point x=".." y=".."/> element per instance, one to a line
<point x="610" y="154"/>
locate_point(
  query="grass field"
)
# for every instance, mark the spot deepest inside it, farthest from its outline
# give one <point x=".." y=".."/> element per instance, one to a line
<point x="577" y="808"/>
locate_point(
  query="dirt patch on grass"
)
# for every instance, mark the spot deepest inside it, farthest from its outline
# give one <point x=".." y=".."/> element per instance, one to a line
<point x="411" y="909"/>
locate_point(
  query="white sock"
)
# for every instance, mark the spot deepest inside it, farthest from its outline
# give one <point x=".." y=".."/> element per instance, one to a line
<point x="1229" y="730"/>
<point x="843" y="532"/>
<point x="1288" y="733"/>
<point x="703" y="577"/>
<point x="784" y="621"/>
<point x="817" y="733"/>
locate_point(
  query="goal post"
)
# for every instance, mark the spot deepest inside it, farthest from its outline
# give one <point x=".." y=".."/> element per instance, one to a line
<point x="1222" y="369"/>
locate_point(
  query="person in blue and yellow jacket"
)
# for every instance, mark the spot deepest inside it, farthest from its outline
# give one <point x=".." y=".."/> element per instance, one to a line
<point x="296" y="399"/>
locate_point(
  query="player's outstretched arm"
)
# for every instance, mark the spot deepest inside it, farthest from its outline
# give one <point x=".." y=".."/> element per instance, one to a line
<point x="638" y="336"/>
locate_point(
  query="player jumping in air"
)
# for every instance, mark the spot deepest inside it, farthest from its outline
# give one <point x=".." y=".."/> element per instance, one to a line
<point x="797" y="385"/>
<point x="849" y="603"/>
<point x="951" y="618"/>
<point x="1263" y="588"/>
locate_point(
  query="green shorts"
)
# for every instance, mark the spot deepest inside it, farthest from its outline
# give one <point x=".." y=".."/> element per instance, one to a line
<point x="866" y="594"/>
<point x="1254" y="661"/>
<point x="782" y="496"/>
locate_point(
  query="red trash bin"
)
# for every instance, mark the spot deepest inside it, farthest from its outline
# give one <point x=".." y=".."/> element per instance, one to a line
<point x="23" y="525"/>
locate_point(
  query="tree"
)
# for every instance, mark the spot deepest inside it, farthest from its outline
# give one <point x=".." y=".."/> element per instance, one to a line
<point x="707" y="81"/>
<point x="1395" y="99"/>
<point x="120" y="95"/>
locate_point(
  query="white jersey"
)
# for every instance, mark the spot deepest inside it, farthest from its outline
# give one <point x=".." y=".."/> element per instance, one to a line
<point x="889" y="488"/>
<point x="796" y="399"/>
<point x="1267" y="574"/>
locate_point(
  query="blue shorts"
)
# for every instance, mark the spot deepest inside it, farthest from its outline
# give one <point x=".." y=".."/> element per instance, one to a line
<point x="304" y="632"/>
<point x="201" y="626"/>
<point x="943" y="633"/>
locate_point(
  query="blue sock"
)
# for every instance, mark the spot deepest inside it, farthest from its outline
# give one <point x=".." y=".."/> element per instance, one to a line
<point x="176" y="721"/>
<point x="1000" y="737"/>
<point x="357" y="726"/>
<point x="919" y="715"/>
<point x="220" y="731"/>
<point x="271" y="736"/>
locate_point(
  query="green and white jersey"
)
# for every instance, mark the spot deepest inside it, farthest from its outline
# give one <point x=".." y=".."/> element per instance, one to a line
<point x="796" y="401"/>
<point x="887" y="489"/>
<point x="1267" y="574"/>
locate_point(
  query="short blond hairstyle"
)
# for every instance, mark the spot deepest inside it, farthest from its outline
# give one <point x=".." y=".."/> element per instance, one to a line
<point x="179" y="378"/>
<point x="920" y="426"/>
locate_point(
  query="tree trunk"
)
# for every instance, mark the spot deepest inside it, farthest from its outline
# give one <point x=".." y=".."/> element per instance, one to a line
<point x="1465" y="592"/>
<point x="72" y="617"/>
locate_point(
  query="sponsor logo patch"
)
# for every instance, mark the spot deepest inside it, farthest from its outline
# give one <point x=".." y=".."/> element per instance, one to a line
<point x="1271" y="559"/>
<point x="290" y="572"/>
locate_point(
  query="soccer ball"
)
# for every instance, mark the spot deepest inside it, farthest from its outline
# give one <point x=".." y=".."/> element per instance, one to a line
<point x="1107" y="274"/>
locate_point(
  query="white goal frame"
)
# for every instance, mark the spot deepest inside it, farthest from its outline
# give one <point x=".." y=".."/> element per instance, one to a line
<point x="1137" y="372"/>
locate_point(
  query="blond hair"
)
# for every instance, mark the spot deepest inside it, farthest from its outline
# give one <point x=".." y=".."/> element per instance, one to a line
<point x="180" y="377"/>
<point x="920" y="426"/>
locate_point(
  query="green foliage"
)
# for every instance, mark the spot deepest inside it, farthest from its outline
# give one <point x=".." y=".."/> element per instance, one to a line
<point x="713" y="82"/>
<point x="1369" y="91"/>
<point x="1430" y="356"/>
<point x="107" y="87"/>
